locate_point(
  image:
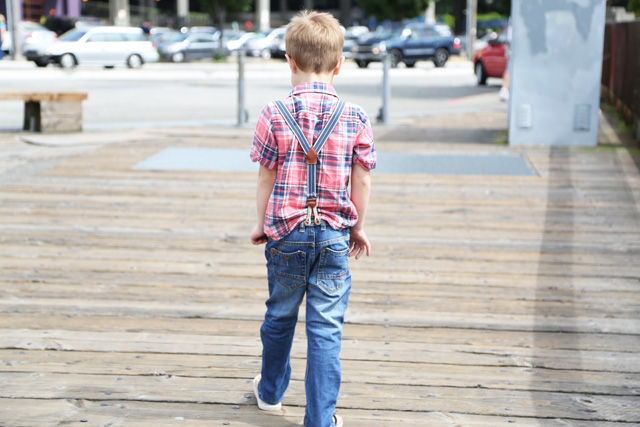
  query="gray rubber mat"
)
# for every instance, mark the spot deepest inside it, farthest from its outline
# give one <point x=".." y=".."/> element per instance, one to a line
<point x="232" y="160"/>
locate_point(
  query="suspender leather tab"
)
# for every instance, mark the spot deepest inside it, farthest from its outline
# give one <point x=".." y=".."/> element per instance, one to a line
<point x="312" y="157"/>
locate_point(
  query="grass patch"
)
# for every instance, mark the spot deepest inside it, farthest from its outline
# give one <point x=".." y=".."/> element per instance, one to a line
<point x="502" y="138"/>
<point x="220" y="57"/>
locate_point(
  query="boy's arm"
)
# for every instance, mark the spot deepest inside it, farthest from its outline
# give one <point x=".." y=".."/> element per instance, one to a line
<point x="360" y="189"/>
<point x="266" y="181"/>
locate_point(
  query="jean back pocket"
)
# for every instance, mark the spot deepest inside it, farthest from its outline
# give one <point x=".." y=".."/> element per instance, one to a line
<point x="289" y="268"/>
<point x="333" y="270"/>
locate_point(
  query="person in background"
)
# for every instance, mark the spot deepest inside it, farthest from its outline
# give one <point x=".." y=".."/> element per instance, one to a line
<point x="3" y="31"/>
<point x="146" y="28"/>
<point x="504" y="90"/>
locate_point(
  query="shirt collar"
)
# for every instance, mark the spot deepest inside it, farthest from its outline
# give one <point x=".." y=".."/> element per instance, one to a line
<point x="315" y="87"/>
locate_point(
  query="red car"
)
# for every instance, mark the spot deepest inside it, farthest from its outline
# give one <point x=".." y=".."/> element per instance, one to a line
<point x="491" y="61"/>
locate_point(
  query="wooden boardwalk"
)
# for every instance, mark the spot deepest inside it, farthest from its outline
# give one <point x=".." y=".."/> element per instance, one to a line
<point x="133" y="298"/>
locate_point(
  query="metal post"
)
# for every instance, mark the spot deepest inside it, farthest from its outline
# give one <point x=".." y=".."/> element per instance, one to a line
<point x="242" y="115"/>
<point x="386" y="88"/>
<point x="472" y="32"/>
<point x="15" y="16"/>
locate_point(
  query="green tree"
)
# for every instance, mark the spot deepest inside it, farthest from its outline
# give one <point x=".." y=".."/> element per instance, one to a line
<point x="396" y="10"/>
<point x="634" y="6"/>
<point x="220" y="8"/>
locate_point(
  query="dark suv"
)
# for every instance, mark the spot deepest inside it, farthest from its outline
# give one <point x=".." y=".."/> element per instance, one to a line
<point x="410" y="43"/>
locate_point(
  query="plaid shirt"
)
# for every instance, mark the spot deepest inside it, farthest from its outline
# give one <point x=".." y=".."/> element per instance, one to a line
<point x="276" y="147"/>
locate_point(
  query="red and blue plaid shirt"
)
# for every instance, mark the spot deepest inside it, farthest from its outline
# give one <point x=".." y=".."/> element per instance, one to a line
<point x="276" y="147"/>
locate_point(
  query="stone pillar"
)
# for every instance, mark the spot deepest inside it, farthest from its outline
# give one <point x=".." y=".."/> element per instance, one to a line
<point x="263" y="19"/>
<point x="182" y="12"/>
<point x="431" y="12"/>
<point x="556" y="66"/>
<point x="119" y="12"/>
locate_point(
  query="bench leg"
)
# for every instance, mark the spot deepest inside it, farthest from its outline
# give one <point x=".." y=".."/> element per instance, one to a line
<point x="61" y="116"/>
<point x="32" y="117"/>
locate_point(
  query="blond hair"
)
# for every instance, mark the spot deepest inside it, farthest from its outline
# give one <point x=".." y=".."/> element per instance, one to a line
<point x="314" y="40"/>
<point x="2" y="18"/>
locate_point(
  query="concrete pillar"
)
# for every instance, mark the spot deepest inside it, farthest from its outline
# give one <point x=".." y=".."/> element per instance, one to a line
<point x="182" y="12"/>
<point x="556" y="66"/>
<point x="119" y="13"/>
<point x="431" y="12"/>
<point x="263" y="18"/>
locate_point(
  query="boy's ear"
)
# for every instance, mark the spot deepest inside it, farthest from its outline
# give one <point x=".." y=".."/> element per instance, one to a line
<point x="292" y="64"/>
<point x="336" y="70"/>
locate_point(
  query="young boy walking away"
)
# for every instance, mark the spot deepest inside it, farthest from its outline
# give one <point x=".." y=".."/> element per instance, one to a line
<point x="309" y="145"/>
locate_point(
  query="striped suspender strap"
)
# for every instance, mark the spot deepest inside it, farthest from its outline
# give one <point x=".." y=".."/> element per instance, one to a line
<point x="311" y="152"/>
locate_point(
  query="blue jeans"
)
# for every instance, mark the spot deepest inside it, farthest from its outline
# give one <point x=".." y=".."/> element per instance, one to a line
<point x="312" y="260"/>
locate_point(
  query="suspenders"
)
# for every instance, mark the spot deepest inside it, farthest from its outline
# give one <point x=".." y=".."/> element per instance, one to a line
<point x="311" y="152"/>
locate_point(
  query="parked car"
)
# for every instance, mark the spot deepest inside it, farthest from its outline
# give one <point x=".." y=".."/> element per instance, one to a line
<point x="236" y="42"/>
<point x="33" y="37"/>
<point x="189" y="46"/>
<point x="352" y="36"/>
<point x="409" y="43"/>
<point x="483" y="41"/>
<point x="277" y="46"/>
<point x="260" y="44"/>
<point x="106" y="46"/>
<point x="491" y="61"/>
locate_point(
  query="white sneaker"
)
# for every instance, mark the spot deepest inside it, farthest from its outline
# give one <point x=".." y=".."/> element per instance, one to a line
<point x="503" y="94"/>
<point x="261" y="403"/>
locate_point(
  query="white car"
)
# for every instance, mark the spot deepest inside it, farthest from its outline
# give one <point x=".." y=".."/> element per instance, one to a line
<point x="33" y="37"/>
<point x="105" y="46"/>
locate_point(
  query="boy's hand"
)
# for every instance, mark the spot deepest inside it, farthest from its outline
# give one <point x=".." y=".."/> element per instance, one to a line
<point x="359" y="244"/>
<point x="257" y="236"/>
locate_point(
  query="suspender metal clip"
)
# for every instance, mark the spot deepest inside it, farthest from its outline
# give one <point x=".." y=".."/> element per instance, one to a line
<point x="312" y="208"/>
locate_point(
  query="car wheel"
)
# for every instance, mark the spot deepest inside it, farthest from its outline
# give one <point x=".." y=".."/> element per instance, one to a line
<point x="177" y="57"/>
<point x="265" y="54"/>
<point x="41" y="63"/>
<point x="410" y="64"/>
<point x="68" y="61"/>
<point x="134" y="61"/>
<point x="481" y="74"/>
<point x="362" y="64"/>
<point x="396" y="57"/>
<point x="441" y="57"/>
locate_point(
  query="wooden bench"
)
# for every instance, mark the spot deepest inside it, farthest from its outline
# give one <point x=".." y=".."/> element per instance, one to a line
<point x="50" y="111"/>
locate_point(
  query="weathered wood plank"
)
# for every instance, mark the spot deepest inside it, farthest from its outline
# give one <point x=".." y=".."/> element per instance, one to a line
<point x="370" y="397"/>
<point x="351" y="349"/>
<point x="354" y="371"/>
<point x="53" y="412"/>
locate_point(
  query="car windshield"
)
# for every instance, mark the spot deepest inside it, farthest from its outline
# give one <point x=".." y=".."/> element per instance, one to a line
<point x="443" y="30"/>
<point x="387" y="32"/>
<point x="176" y="37"/>
<point x="72" y="35"/>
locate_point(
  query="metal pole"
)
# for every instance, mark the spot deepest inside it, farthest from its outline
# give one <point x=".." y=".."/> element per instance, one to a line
<point x="472" y="11"/>
<point x="386" y="88"/>
<point x="14" y="26"/>
<point x="241" y="111"/>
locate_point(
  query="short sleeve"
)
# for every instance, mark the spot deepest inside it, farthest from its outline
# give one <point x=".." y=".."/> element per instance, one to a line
<point x="364" y="152"/>
<point x="264" y="148"/>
